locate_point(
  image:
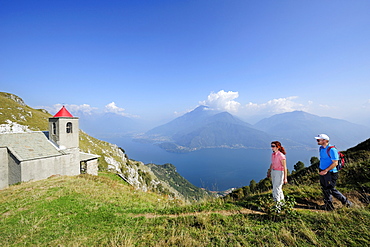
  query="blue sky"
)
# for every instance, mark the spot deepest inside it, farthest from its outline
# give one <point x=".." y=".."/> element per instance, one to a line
<point x="156" y="60"/>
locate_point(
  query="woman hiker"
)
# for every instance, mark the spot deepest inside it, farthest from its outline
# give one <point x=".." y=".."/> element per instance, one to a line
<point x="278" y="171"/>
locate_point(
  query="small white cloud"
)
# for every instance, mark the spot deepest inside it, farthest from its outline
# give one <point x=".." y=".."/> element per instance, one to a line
<point x="73" y="109"/>
<point x="226" y="101"/>
<point x="223" y="101"/>
<point x="84" y="108"/>
<point x="113" y="108"/>
<point x="326" y="107"/>
<point x="275" y="106"/>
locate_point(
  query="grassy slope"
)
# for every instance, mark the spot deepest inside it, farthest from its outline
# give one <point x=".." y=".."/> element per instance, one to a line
<point x="69" y="210"/>
<point x="22" y="114"/>
<point x="102" y="211"/>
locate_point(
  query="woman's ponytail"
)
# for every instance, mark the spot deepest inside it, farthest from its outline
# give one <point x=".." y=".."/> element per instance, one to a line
<point x="279" y="146"/>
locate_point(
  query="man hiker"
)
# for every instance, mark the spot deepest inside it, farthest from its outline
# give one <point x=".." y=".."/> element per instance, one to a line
<point x="329" y="173"/>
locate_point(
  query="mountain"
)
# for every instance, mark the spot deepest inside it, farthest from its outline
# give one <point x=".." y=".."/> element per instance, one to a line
<point x="16" y="116"/>
<point x="303" y="127"/>
<point x="183" y="124"/>
<point x="204" y="128"/>
<point x="222" y="130"/>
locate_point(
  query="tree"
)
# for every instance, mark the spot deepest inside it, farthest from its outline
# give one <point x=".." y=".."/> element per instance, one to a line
<point x="299" y="166"/>
<point x="246" y="190"/>
<point x="252" y="185"/>
<point x="314" y="161"/>
<point x="264" y="184"/>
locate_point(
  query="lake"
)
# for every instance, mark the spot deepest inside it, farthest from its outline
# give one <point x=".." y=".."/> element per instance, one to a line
<point x="213" y="169"/>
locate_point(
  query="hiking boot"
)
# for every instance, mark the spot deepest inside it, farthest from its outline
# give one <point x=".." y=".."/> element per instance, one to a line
<point x="327" y="207"/>
<point x="349" y="204"/>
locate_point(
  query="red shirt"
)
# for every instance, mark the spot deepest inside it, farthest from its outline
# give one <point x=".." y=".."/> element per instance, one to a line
<point x="276" y="159"/>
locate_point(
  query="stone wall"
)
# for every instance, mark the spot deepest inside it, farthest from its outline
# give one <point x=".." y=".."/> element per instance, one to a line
<point x="12" y="171"/>
<point x="3" y="168"/>
<point x="15" y="169"/>
<point x="92" y="167"/>
<point x="43" y="168"/>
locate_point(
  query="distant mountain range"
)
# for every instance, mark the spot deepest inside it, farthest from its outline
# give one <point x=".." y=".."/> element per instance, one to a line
<point x="108" y="124"/>
<point x="206" y="128"/>
<point x="302" y="126"/>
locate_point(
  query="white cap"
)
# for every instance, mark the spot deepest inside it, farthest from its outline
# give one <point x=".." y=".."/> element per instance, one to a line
<point x="322" y="136"/>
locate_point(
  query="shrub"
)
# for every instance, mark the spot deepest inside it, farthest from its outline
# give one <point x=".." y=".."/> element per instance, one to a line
<point x="277" y="210"/>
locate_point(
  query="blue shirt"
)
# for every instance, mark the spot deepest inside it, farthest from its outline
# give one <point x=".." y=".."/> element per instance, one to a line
<point x="325" y="160"/>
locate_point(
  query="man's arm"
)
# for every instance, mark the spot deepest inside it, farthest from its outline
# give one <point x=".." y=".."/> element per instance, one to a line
<point x="332" y="166"/>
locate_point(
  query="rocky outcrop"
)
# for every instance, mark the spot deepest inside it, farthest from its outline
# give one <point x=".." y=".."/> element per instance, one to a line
<point x="14" y="98"/>
<point x="13" y="127"/>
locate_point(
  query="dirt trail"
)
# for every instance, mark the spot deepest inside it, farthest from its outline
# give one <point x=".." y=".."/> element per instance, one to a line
<point x="313" y="206"/>
<point x="298" y="207"/>
<point x="222" y="212"/>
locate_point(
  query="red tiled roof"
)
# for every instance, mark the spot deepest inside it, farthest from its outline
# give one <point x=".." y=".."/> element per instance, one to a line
<point x="63" y="113"/>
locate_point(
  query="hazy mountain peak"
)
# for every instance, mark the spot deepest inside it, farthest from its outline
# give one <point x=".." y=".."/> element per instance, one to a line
<point x="201" y="111"/>
<point x="296" y="114"/>
<point x="201" y="108"/>
<point x="303" y="126"/>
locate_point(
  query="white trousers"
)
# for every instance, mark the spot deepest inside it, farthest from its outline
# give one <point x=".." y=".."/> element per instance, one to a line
<point x="277" y="185"/>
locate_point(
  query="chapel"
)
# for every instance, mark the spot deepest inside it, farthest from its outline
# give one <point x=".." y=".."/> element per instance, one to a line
<point x="38" y="155"/>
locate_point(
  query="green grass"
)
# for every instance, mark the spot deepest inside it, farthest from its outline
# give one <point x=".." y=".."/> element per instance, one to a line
<point x="36" y="120"/>
<point x="104" y="211"/>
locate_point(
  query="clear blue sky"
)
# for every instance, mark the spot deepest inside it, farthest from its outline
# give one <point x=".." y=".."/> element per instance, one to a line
<point x="155" y="58"/>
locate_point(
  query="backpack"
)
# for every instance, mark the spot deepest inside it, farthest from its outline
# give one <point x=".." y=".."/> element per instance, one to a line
<point x="341" y="158"/>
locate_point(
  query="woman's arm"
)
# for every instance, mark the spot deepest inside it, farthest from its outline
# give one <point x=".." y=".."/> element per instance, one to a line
<point x="283" y="162"/>
<point x="269" y="171"/>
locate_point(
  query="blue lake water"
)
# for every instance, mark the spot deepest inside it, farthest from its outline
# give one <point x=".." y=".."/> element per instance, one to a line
<point x="214" y="169"/>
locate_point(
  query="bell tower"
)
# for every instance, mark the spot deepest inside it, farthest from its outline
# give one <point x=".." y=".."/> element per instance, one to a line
<point x="64" y="130"/>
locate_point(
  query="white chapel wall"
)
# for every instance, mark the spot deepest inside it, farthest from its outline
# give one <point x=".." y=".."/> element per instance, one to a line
<point x="3" y="168"/>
